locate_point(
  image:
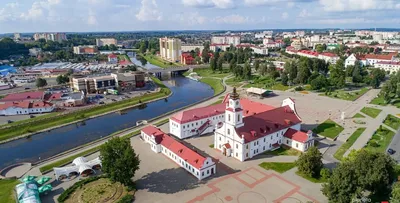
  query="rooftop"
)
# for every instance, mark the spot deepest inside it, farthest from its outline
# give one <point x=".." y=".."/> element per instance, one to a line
<point x="38" y="95"/>
<point x="298" y="136"/>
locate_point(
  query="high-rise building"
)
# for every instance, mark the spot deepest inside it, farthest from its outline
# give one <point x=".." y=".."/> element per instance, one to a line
<point x="57" y="37"/>
<point x="17" y="36"/>
<point x="105" y="41"/>
<point x="170" y="48"/>
<point x="226" y="39"/>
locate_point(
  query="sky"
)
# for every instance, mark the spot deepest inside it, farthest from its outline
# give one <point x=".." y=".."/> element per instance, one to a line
<point x="137" y="15"/>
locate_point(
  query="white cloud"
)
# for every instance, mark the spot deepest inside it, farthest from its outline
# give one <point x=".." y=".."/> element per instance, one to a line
<point x="342" y="21"/>
<point x="232" y="19"/>
<point x="358" y="5"/>
<point x="290" y="4"/>
<point x="34" y="13"/>
<point x="12" y="5"/>
<point x="209" y="3"/>
<point x="190" y="19"/>
<point x="149" y="11"/>
<point x="122" y="6"/>
<point x="304" y="14"/>
<point x="285" y="15"/>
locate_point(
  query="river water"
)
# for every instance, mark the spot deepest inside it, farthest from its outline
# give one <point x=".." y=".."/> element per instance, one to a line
<point x="47" y="144"/>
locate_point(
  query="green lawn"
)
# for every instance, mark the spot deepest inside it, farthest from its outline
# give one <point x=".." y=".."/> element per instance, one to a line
<point x="40" y="124"/>
<point x="329" y="129"/>
<point x="6" y="190"/>
<point x="162" y="122"/>
<point x="279" y="167"/>
<point x="284" y="151"/>
<point x="371" y="112"/>
<point x="378" y="101"/>
<point x="311" y="179"/>
<point x="380" y="140"/>
<point x="216" y="84"/>
<point x="342" y="150"/>
<point x="155" y="60"/>
<point x="207" y="72"/>
<point x="392" y="121"/>
<point x="358" y="115"/>
<point x="17" y="123"/>
<point x="347" y="95"/>
<point x="234" y="82"/>
<point x="211" y="145"/>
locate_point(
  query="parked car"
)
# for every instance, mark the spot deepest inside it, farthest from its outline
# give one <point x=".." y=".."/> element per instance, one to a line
<point x="27" y="88"/>
<point x="31" y="116"/>
<point x="391" y="151"/>
<point x="113" y="100"/>
<point x="101" y="102"/>
<point x="9" y="121"/>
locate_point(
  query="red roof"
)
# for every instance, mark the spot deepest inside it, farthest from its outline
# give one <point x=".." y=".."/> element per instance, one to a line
<point x="214" y="44"/>
<point x="24" y="96"/>
<point x="112" y="56"/>
<point x="328" y="54"/>
<point x="389" y="63"/>
<point x="312" y="53"/>
<point x="187" y="154"/>
<point x="25" y="104"/>
<point x="387" y="57"/>
<point x="267" y="122"/>
<point x="249" y="108"/>
<point x="54" y="96"/>
<point x="296" y="135"/>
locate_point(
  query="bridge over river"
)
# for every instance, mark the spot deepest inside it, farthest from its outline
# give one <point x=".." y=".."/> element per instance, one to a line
<point x="172" y="70"/>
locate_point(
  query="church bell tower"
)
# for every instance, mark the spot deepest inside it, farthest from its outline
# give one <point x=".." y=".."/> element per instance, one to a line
<point x="234" y="111"/>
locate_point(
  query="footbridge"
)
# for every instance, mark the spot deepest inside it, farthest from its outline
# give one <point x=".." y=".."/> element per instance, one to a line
<point x="172" y="70"/>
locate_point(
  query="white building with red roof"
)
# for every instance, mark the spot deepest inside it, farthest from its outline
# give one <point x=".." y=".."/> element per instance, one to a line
<point x="112" y="58"/>
<point x="244" y="137"/>
<point x="369" y="59"/>
<point x="25" y="107"/>
<point x="198" y="165"/>
<point x="326" y="56"/>
<point x="390" y="66"/>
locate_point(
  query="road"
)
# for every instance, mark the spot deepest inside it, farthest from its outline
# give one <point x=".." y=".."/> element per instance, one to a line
<point x="31" y="86"/>
<point x="395" y="145"/>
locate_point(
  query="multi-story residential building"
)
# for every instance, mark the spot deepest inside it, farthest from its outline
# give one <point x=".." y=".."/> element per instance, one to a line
<point x="300" y="33"/>
<point x="17" y="36"/>
<point x="220" y="47"/>
<point x="199" y="166"/>
<point x="243" y="137"/>
<point x="226" y="39"/>
<point x="392" y="48"/>
<point x="90" y="49"/>
<point x="190" y="47"/>
<point x="170" y="49"/>
<point x="58" y="37"/>
<point x="105" y="41"/>
<point x="264" y="34"/>
<point x="391" y="66"/>
<point x="297" y="44"/>
<point x="329" y="57"/>
<point x="368" y="59"/>
<point x="262" y="50"/>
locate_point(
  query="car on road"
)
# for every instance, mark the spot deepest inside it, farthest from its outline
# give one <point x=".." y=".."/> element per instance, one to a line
<point x="27" y="88"/>
<point x="101" y="102"/>
<point x="391" y="151"/>
<point x="113" y="100"/>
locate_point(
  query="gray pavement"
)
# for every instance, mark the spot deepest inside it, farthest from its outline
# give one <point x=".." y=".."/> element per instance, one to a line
<point x="395" y="145"/>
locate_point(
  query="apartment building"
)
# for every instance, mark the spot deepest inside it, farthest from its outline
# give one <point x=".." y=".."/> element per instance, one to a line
<point x="226" y="39"/>
<point x="170" y="49"/>
<point x="191" y="47"/>
<point x="106" y="41"/>
<point x="57" y="37"/>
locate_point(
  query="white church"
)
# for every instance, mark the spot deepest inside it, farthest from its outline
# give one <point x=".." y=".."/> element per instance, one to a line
<point x="244" y="128"/>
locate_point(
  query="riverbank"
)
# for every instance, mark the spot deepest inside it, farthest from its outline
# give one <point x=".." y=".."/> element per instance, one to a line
<point x="56" y="121"/>
<point x="64" y="158"/>
<point x="155" y="60"/>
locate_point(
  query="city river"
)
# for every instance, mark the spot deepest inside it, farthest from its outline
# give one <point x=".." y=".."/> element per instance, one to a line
<point x="47" y="144"/>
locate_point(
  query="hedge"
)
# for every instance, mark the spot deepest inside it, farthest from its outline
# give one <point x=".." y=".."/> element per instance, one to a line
<point x="65" y="195"/>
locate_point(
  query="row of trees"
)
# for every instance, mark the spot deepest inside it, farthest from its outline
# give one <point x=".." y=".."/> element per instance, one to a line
<point x="151" y="45"/>
<point x="391" y="89"/>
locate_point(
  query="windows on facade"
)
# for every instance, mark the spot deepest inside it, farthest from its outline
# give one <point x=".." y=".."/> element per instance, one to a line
<point x="236" y="154"/>
<point x="202" y="173"/>
<point x="287" y="141"/>
<point x="238" y="118"/>
<point x="237" y="146"/>
<point x="229" y="131"/>
<point x="264" y="148"/>
<point x="271" y="137"/>
<point x="219" y="138"/>
<point x="247" y="155"/>
<point x="229" y="117"/>
<point x="247" y="146"/>
<point x="297" y="145"/>
<point x="208" y="172"/>
<point x="270" y="145"/>
<point x="264" y="139"/>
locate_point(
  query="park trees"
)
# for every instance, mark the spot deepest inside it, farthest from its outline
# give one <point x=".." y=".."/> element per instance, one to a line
<point x="213" y="64"/>
<point x="395" y="195"/>
<point x="319" y="82"/>
<point x="247" y="71"/>
<point x="310" y="163"/>
<point x="205" y="53"/>
<point x="364" y="171"/>
<point x="256" y="64"/>
<point x="119" y="160"/>
<point x="391" y="89"/>
<point x="219" y="63"/>
<point x="62" y="79"/>
<point x="40" y="82"/>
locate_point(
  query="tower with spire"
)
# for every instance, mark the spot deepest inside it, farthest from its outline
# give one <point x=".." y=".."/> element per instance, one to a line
<point x="234" y="111"/>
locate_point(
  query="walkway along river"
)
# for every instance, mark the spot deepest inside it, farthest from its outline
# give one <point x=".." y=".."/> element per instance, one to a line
<point x="47" y="144"/>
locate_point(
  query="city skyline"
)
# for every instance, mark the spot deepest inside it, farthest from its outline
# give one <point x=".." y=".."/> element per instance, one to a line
<point x="141" y="15"/>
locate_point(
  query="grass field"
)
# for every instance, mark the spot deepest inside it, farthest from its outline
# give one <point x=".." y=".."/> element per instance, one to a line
<point x="347" y="95"/>
<point x="329" y="129"/>
<point x="207" y="72"/>
<point x="216" y="84"/>
<point x="378" y="101"/>
<point x="155" y="60"/>
<point x="276" y="86"/>
<point x="284" y="151"/>
<point x="234" y="82"/>
<point x="7" y="133"/>
<point x="371" y="112"/>
<point x="6" y="190"/>
<point x="358" y="115"/>
<point x="380" y="140"/>
<point x="392" y="121"/>
<point x="279" y="167"/>
<point x="342" y="150"/>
